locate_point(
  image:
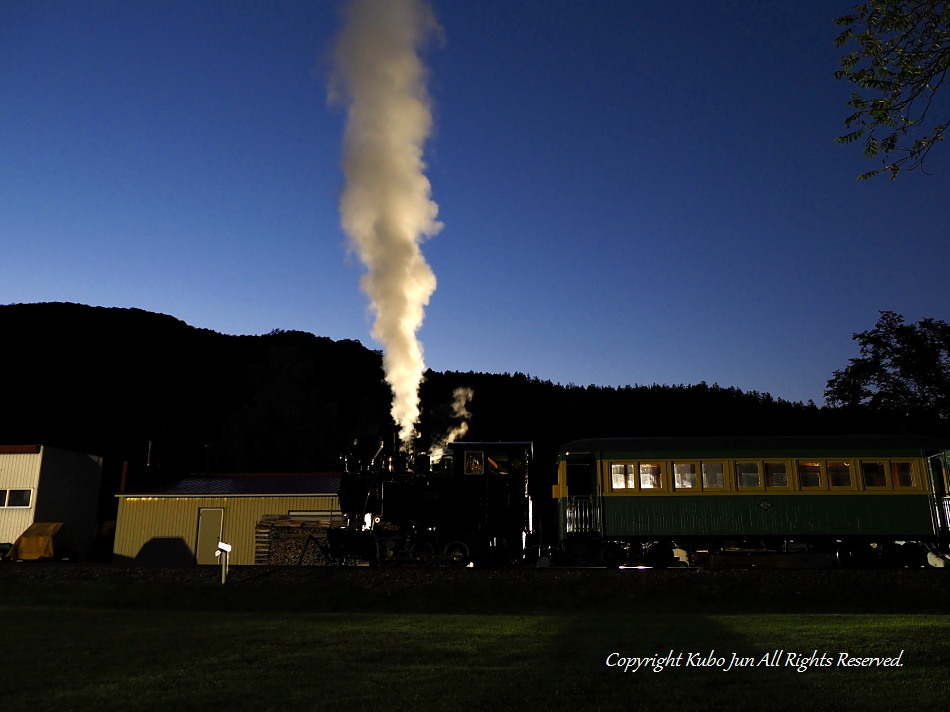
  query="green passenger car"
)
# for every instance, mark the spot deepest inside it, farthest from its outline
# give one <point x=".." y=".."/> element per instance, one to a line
<point x="765" y="501"/>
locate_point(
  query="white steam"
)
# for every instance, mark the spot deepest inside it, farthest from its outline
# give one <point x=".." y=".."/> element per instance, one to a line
<point x="386" y="208"/>
<point x="461" y="397"/>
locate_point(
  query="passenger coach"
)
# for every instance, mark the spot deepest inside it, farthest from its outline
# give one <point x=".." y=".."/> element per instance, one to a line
<point x="765" y="501"/>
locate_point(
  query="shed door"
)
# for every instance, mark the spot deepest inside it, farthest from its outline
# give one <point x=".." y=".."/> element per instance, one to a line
<point x="210" y="523"/>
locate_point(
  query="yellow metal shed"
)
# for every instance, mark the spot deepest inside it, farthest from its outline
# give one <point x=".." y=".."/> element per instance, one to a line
<point x="183" y="522"/>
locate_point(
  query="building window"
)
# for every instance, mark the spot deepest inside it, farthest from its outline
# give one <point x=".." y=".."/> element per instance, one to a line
<point x="684" y="475"/>
<point x="747" y="475"/>
<point x="839" y="474"/>
<point x="776" y="475"/>
<point x="18" y="497"/>
<point x="650" y="476"/>
<point x="873" y="474"/>
<point x="903" y="474"/>
<point x="714" y="475"/>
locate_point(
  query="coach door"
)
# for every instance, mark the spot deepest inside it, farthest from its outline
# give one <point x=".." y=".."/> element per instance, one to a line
<point x="210" y="526"/>
<point x="582" y="512"/>
<point x="939" y="474"/>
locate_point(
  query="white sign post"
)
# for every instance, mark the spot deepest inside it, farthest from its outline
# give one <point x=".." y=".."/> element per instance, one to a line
<point x="223" y="551"/>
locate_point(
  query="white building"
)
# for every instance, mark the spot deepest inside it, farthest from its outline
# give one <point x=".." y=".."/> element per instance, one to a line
<point x="46" y="484"/>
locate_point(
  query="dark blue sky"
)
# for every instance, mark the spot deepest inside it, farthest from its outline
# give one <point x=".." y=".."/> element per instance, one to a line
<point x="632" y="192"/>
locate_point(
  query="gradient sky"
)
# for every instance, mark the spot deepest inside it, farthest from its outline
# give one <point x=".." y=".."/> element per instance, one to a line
<point x="632" y="192"/>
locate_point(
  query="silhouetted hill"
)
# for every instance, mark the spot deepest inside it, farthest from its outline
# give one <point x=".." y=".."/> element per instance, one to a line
<point x="516" y="407"/>
<point x="111" y="381"/>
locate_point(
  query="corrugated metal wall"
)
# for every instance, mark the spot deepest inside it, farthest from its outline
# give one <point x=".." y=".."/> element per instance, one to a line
<point x="18" y="471"/>
<point x="165" y="529"/>
<point x="69" y="493"/>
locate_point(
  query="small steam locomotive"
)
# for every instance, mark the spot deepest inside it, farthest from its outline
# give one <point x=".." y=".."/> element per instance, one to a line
<point x="473" y="506"/>
<point x="734" y="502"/>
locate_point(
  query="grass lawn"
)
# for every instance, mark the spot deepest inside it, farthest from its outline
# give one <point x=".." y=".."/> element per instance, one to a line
<point x="87" y="647"/>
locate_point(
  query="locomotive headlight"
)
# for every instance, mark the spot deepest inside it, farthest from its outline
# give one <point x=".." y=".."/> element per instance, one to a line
<point x="370" y="520"/>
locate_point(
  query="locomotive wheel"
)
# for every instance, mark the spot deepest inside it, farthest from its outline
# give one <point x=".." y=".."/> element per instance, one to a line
<point x="386" y="552"/>
<point x="659" y="554"/>
<point x="457" y="553"/>
<point x="424" y="553"/>
<point x="612" y="555"/>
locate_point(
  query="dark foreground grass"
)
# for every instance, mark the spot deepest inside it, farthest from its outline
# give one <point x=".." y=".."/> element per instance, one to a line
<point x="83" y="647"/>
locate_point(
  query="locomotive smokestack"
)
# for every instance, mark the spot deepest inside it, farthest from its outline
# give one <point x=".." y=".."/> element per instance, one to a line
<point x="385" y="207"/>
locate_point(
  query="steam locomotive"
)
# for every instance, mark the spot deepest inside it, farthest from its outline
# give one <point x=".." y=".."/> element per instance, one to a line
<point x="473" y="506"/>
<point x="780" y="501"/>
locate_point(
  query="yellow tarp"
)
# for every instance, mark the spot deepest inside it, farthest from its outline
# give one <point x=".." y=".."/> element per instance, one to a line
<point x="36" y="542"/>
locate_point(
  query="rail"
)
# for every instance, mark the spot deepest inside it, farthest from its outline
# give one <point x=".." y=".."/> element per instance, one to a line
<point x="583" y="515"/>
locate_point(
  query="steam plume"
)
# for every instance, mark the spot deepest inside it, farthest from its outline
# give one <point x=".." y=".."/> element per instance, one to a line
<point x="461" y="397"/>
<point x="386" y="208"/>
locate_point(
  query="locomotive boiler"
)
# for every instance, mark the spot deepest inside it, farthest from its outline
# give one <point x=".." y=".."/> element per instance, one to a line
<point x="473" y="506"/>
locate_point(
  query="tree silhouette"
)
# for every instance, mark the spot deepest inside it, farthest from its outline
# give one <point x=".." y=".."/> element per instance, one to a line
<point x="903" y="370"/>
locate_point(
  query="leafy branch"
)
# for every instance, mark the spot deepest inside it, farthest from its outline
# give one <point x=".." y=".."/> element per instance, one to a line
<point x="901" y="61"/>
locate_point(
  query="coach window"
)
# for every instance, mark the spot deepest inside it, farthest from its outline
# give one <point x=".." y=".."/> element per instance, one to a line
<point x="839" y="474"/>
<point x="873" y="474"/>
<point x="684" y="475"/>
<point x="903" y="474"/>
<point x="714" y="475"/>
<point x="776" y="475"/>
<point x="622" y="477"/>
<point x="748" y="475"/>
<point x="650" y="476"/>
<point x="809" y="475"/>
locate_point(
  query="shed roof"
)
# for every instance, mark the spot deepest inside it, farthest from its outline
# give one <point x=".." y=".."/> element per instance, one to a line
<point x="19" y="449"/>
<point x="241" y="484"/>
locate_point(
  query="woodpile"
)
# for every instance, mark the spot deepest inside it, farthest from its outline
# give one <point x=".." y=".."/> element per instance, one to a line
<point x="283" y="541"/>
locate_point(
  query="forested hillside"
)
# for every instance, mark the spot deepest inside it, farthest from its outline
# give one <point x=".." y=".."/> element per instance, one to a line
<point x="111" y="381"/>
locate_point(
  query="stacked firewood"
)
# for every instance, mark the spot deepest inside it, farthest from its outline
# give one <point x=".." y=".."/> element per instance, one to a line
<point x="282" y="541"/>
